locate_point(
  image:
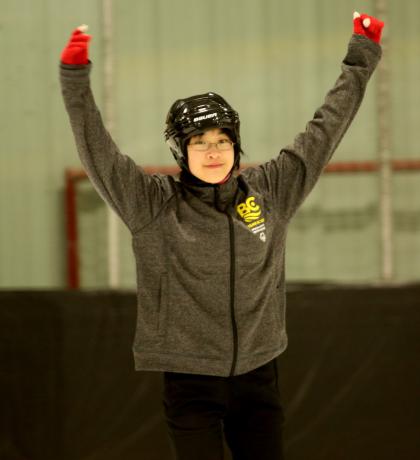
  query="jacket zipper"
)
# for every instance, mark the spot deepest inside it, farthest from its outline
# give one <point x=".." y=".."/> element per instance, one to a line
<point x="232" y="294"/>
<point x="232" y="282"/>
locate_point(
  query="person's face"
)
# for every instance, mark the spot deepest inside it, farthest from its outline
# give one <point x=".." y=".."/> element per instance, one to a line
<point x="210" y="162"/>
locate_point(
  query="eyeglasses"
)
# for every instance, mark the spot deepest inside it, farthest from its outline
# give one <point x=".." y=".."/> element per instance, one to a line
<point x="202" y="146"/>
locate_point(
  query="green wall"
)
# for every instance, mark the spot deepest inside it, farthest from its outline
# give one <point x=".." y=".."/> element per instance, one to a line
<point x="273" y="60"/>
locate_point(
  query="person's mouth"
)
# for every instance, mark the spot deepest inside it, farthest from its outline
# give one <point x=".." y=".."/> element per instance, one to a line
<point x="214" y="165"/>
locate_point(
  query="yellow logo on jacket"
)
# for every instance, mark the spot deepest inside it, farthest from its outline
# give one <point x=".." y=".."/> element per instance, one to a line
<point x="250" y="212"/>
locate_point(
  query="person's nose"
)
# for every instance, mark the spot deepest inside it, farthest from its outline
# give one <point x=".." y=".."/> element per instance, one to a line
<point x="213" y="151"/>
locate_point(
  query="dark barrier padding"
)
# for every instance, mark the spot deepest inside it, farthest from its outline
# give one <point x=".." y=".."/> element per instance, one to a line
<point x="350" y="378"/>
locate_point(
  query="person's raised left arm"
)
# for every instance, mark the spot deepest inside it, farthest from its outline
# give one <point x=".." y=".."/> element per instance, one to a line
<point x="292" y="174"/>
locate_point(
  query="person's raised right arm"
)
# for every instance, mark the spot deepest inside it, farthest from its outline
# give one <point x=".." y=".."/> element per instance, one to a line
<point x="133" y="194"/>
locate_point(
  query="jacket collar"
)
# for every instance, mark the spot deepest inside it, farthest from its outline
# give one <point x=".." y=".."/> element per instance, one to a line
<point x="217" y="195"/>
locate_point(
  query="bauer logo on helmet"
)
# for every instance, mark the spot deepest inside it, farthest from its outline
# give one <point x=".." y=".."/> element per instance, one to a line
<point x="205" y="117"/>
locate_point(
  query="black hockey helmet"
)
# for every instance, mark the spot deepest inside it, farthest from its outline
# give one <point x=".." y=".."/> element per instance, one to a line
<point x="192" y="116"/>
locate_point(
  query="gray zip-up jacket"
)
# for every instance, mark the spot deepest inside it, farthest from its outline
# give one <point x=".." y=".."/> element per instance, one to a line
<point x="210" y="259"/>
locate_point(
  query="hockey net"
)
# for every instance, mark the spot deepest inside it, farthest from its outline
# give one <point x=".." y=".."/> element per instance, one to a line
<point x="87" y="223"/>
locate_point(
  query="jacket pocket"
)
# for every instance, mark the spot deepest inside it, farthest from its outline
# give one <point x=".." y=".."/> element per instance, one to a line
<point x="280" y="307"/>
<point x="163" y="305"/>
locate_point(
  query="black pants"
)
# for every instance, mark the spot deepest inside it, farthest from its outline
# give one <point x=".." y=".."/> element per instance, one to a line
<point x="245" y="408"/>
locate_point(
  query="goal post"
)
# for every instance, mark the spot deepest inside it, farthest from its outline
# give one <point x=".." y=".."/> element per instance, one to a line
<point x="76" y="179"/>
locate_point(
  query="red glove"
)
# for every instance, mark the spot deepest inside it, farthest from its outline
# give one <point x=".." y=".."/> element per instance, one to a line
<point x="76" y="51"/>
<point x="368" y="26"/>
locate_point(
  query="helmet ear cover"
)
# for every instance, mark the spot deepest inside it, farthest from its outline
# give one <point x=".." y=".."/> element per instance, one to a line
<point x="193" y="116"/>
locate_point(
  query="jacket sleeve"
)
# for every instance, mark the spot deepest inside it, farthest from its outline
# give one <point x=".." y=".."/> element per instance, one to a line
<point x="134" y="195"/>
<point x="291" y="176"/>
